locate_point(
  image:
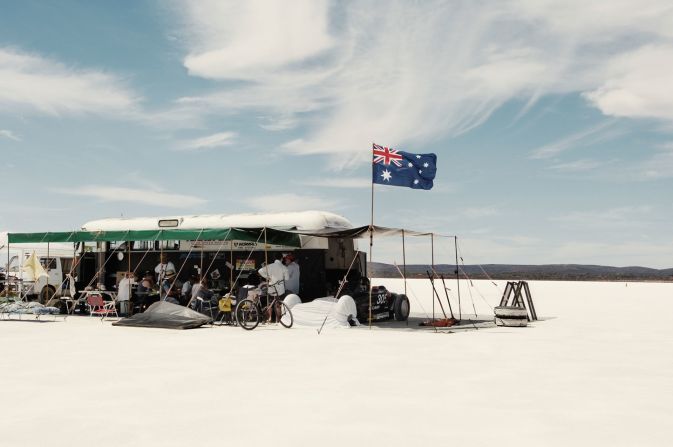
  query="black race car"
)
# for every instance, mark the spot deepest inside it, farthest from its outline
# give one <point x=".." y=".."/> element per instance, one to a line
<point x="385" y="304"/>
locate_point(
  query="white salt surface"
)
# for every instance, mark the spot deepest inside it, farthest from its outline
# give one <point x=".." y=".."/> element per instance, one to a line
<point x="597" y="371"/>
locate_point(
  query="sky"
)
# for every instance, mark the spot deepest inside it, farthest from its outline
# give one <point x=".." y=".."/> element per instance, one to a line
<point x="552" y="120"/>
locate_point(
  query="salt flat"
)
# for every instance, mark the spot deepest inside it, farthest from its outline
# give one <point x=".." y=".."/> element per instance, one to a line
<point x="598" y="370"/>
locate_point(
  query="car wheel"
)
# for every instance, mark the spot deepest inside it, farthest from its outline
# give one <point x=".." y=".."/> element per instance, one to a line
<point x="46" y="294"/>
<point x="401" y="308"/>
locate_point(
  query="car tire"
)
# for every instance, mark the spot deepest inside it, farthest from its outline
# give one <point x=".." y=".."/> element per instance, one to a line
<point x="401" y="308"/>
<point x="46" y="294"/>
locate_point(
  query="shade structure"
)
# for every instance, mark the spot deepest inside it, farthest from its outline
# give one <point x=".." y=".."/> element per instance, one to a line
<point x="275" y="237"/>
<point x="364" y="232"/>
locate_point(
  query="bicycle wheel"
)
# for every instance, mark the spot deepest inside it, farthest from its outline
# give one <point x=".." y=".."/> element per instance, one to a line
<point x="247" y="314"/>
<point x="286" y="318"/>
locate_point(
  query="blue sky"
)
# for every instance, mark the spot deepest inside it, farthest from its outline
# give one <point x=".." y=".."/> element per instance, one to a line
<point x="552" y="120"/>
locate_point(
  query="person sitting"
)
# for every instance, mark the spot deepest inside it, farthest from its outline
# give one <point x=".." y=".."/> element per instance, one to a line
<point x="225" y="305"/>
<point x="204" y="297"/>
<point x="186" y="292"/>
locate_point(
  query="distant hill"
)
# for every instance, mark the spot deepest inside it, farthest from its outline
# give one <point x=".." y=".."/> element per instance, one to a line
<point x="571" y="272"/>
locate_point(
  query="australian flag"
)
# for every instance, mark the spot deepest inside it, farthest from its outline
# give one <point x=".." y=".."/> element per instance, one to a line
<point x="399" y="168"/>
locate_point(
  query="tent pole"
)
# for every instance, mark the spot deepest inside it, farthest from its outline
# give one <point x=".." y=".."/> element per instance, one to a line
<point x="404" y="266"/>
<point x="231" y="269"/>
<point x="404" y="262"/>
<point x="371" y="243"/>
<point x="266" y="253"/>
<point x="432" y="262"/>
<point x="7" y="270"/>
<point x="201" y="268"/>
<point x="48" y="264"/>
<point x="460" y="311"/>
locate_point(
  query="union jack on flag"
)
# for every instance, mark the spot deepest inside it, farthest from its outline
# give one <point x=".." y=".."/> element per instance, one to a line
<point x="386" y="156"/>
<point x="398" y="168"/>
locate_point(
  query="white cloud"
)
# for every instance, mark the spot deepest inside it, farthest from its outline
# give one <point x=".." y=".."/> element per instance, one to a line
<point x="234" y="40"/>
<point x="9" y="134"/>
<point x="403" y="73"/>
<point x="133" y="195"/>
<point x="36" y="83"/>
<point x="290" y="202"/>
<point x="220" y="139"/>
<point x="637" y="84"/>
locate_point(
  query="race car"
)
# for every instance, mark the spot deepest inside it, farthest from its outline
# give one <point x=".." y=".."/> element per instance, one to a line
<point x="386" y="305"/>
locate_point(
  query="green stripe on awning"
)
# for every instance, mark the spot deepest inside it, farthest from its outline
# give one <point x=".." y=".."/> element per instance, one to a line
<point x="275" y="237"/>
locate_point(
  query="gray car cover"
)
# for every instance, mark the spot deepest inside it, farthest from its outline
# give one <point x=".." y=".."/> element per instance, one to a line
<point x="166" y="315"/>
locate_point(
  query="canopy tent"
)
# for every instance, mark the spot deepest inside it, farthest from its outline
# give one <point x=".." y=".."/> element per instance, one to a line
<point x="272" y="236"/>
<point x="364" y="232"/>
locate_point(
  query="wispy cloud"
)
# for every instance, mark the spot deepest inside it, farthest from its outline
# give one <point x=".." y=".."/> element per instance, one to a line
<point x="341" y="182"/>
<point x="221" y="139"/>
<point x="657" y="166"/>
<point x="585" y="137"/>
<point x="36" y="83"/>
<point x="440" y="68"/>
<point x="133" y="195"/>
<point x="479" y="212"/>
<point x="290" y="202"/>
<point x="618" y="217"/>
<point x="582" y="165"/>
<point x="9" y="135"/>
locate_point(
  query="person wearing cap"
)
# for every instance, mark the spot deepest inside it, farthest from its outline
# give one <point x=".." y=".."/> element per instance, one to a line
<point x="162" y="267"/>
<point x="292" y="283"/>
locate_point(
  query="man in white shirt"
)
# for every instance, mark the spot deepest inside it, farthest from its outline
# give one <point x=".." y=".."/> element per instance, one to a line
<point x="292" y="284"/>
<point x="162" y="267"/>
<point x="124" y="293"/>
<point x="276" y="275"/>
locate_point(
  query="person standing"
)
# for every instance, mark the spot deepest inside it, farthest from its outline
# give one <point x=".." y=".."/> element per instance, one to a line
<point x="292" y="283"/>
<point x="124" y="293"/>
<point x="162" y="267"/>
<point x="276" y="276"/>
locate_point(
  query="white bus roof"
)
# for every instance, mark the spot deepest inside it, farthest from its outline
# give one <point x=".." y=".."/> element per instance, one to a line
<point x="303" y="220"/>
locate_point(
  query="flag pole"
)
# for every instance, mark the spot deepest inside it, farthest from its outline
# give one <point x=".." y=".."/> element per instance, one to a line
<point x="371" y="243"/>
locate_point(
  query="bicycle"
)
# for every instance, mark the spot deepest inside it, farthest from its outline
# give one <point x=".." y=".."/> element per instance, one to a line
<point x="249" y="311"/>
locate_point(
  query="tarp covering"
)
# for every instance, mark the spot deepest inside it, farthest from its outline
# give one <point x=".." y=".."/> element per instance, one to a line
<point x="276" y="237"/>
<point x="334" y="313"/>
<point x="166" y="315"/>
<point x="363" y="232"/>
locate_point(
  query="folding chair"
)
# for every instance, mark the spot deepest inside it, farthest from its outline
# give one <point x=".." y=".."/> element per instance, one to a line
<point x="98" y="306"/>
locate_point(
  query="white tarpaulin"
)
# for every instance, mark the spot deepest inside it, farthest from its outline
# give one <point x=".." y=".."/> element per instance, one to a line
<point x="313" y="313"/>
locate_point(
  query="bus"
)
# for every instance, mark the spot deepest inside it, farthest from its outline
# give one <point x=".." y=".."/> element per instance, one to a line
<point x="325" y="262"/>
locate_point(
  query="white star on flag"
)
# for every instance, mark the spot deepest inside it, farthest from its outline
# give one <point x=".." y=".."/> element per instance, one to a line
<point x="411" y="165"/>
<point x="425" y="165"/>
<point x="386" y="175"/>
<point x="416" y="182"/>
<point x="420" y="171"/>
<point x="418" y="156"/>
